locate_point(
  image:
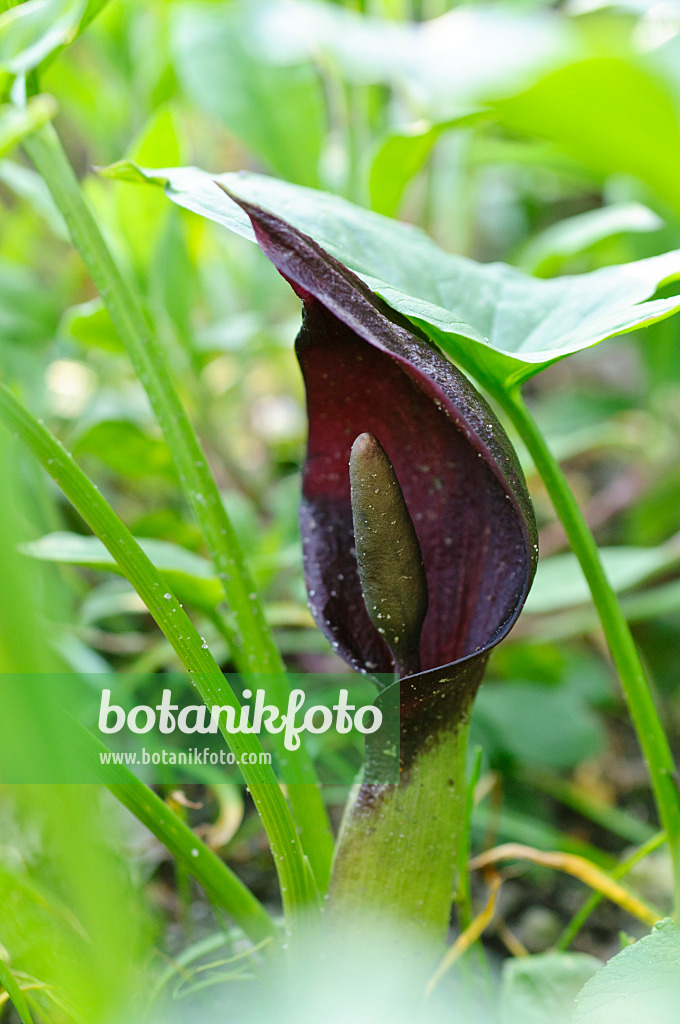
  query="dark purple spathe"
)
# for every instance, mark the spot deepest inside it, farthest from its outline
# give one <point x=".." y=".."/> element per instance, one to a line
<point x="367" y="371"/>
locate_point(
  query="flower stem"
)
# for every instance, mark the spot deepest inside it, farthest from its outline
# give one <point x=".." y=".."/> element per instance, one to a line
<point x="258" y="652"/>
<point x="645" y="717"/>
<point x="398" y="847"/>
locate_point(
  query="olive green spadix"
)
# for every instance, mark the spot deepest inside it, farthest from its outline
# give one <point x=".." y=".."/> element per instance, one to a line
<point x="389" y="558"/>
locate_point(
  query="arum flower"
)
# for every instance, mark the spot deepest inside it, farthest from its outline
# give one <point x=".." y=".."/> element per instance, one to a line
<point x="444" y="556"/>
<point x="419" y="546"/>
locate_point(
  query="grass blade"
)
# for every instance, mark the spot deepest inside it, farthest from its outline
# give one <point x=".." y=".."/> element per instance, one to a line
<point x="220" y="883"/>
<point x="643" y="712"/>
<point x="296" y="883"/>
<point x="15" y="994"/>
<point x="258" y="652"/>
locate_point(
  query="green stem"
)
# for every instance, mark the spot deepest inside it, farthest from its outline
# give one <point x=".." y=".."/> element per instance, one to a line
<point x="258" y="652"/>
<point x="297" y="886"/>
<point x="644" y="714"/>
<point x="397" y="851"/>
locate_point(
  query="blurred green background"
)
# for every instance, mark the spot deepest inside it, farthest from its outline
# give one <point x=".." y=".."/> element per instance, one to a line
<point x="546" y="136"/>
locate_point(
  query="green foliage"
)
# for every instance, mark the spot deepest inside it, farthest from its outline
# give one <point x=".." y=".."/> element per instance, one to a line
<point x="513" y="143"/>
<point x="560" y="583"/>
<point x="15" y="124"/>
<point x="631" y="124"/>
<point x="15" y="994"/>
<point x="560" y="732"/>
<point x="548" y="251"/>
<point x="276" y="112"/>
<point x="32" y="30"/>
<point x="643" y="979"/>
<point x="190" y="577"/>
<point x="542" y="989"/>
<point x="455" y="300"/>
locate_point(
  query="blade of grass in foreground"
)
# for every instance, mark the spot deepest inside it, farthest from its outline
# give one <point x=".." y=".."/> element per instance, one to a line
<point x="297" y="885"/>
<point x="222" y="886"/>
<point x="258" y="652"/>
<point x="15" y="994"/>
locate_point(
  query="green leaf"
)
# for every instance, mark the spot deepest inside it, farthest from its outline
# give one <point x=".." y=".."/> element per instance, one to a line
<point x="560" y="582"/>
<point x="129" y="451"/>
<point x="610" y="114"/>
<point x="297" y="882"/>
<point x="190" y="577"/>
<point x="92" y="9"/>
<point x="641" y="983"/>
<point x="28" y="185"/>
<point x="31" y="31"/>
<point x="141" y="221"/>
<point x="560" y="732"/>
<point x="498" y="323"/>
<point x="398" y="160"/>
<point x="28" y="311"/>
<point x="402" y="154"/>
<point x="545" y="253"/>
<point x="541" y="989"/>
<point x="18" y="122"/>
<point x="220" y="883"/>
<point x="277" y="112"/>
<point x="89" y="324"/>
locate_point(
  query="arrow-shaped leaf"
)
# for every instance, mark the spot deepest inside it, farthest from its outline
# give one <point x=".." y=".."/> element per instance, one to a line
<point x="497" y="322"/>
